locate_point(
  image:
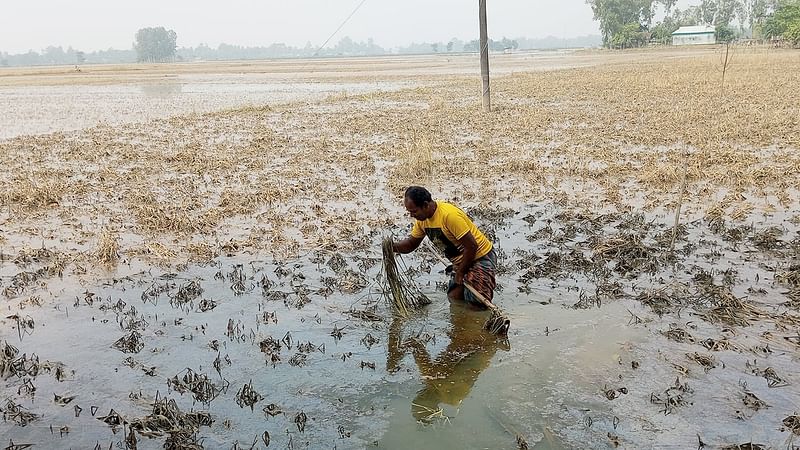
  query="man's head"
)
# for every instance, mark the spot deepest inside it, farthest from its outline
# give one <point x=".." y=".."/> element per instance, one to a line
<point x="418" y="203"/>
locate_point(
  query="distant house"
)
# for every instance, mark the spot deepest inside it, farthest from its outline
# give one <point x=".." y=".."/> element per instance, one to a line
<point x="694" y="35"/>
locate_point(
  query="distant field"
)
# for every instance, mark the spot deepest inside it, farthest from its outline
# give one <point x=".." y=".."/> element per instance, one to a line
<point x="444" y="64"/>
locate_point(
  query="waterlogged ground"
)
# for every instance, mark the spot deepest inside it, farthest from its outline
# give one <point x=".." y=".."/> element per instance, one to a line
<point x="51" y="99"/>
<point x="213" y="280"/>
<point x="32" y="110"/>
<point x="594" y="357"/>
<point x="329" y="361"/>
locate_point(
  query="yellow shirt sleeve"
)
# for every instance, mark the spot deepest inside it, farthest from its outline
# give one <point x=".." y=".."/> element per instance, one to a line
<point x="457" y="224"/>
<point x="417" y="231"/>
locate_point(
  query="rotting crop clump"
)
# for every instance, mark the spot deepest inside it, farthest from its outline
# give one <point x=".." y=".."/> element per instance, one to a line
<point x="201" y="387"/>
<point x="167" y="418"/>
<point x="628" y="253"/>
<point x="17" y="414"/>
<point x="186" y="294"/>
<point x="792" y="423"/>
<point x="247" y="396"/>
<point x="130" y="343"/>
<point x="672" y="397"/>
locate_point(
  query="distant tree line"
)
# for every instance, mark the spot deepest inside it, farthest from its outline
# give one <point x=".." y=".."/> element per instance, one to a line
<point x="160" y="45"/>
<point x="52" y="56"/>
<point x="629" y="23"/>
<point x="494" y="46"/>
<point x="623" y="24"/>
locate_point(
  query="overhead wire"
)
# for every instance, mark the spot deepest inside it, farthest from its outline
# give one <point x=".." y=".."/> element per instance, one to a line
<point x="347" y="19"/>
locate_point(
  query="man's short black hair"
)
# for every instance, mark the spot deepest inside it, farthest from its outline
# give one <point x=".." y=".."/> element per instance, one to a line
<point x="419" y="195"/>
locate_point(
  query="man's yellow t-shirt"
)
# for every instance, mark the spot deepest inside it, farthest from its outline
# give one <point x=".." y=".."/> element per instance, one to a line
<point x="447" y="225"/>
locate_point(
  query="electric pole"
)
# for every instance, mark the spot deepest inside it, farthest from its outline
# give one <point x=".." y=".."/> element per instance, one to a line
<point x="487" y="104"/>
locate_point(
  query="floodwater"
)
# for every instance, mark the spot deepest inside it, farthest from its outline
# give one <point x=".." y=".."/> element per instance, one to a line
<point x="53" y="99"/>
<point x="489" y="390"/>
<point x="332" y="368"/>
<point x="588" y="363"/>
<point x="32" y="110"/>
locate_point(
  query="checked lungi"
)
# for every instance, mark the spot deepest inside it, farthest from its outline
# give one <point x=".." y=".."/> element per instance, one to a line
<point x="481" y="276"/>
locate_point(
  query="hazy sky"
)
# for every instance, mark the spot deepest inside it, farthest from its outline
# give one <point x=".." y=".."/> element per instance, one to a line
<point x="101" y="24"/>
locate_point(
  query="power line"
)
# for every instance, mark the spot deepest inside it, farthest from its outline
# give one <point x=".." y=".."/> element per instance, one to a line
<point x="316" y="53"/>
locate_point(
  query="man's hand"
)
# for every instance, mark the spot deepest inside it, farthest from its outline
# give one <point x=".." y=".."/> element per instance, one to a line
<point x="467" y="256"/>
<point x="458" y="277"/>
<point x="407" y="245"/>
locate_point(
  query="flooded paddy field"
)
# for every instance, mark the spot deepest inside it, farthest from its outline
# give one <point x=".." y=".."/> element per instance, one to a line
<point x="42" y="100"/>
<point x="214" y="280"/>
<point x="32" y="110"/>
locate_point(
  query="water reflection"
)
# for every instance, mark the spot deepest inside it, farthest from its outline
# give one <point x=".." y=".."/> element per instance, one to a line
<point x="161" y="89"/>
<point x="450" y="375"/>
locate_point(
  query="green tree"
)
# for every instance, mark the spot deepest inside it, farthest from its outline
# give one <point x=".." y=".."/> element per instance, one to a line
<point x="662" y="32"/>
<point x="630" y="35"/>
<point x="757" y="11"/>
<point x="719" y="12"/>
<point x="792" y="33"/>
<point x="155" y="44"/>
<point x="724" y="33"/>
<point x="785" y="22"/>
<point x="692" y="15"/>
<point x="622" y="22"/>
<point x="726" y="12"/>
<point x="708" y="10"/>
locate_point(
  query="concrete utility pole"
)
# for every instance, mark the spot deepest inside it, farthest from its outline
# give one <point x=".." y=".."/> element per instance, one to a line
<point x="487" y="103"/>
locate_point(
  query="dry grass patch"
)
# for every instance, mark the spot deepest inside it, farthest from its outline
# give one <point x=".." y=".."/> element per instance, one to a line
<point x="585" y="116"/>
<point x="415" y="161"/>
<point x="107" y="249"/>
<point x="200" y="251"/>
<point x="181" y="215"/>
<point x="35" y="190"/>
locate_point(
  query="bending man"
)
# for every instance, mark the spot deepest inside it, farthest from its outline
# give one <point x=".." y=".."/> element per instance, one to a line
<point x="454" y="234"/>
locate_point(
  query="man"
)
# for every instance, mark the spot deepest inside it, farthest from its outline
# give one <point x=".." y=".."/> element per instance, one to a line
<point x="454" y="234"/>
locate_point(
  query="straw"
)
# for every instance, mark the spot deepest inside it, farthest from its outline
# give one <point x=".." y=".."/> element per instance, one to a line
<point x="399" y="287"/>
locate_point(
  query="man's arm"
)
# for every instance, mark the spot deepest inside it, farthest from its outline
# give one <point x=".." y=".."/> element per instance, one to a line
<point x="408" y="244"/>
<point x="470" y="247"/>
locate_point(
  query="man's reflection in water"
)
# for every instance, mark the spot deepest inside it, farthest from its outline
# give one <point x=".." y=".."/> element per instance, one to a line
<point x="450" y="376"/>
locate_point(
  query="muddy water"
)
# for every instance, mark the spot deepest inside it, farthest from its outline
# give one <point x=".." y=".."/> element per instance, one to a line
<point x="571" y="373"/>
<point x="489" y="391"/>
<point x="523" y="390"/>
<point x="30" y="110"/>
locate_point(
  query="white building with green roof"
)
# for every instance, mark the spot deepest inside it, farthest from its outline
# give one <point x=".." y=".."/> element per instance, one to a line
<point x="694" y="35"/>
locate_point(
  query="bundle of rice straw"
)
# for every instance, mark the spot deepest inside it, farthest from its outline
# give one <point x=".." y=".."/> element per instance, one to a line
<point x="399" y="287"/>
